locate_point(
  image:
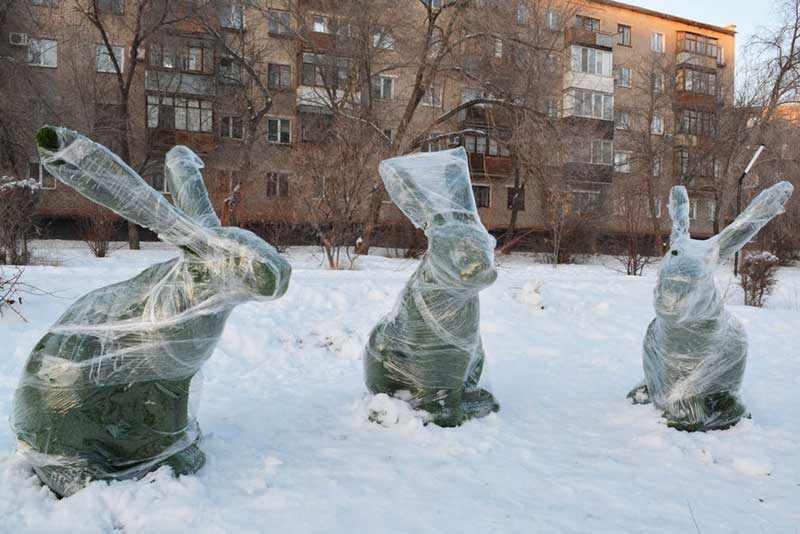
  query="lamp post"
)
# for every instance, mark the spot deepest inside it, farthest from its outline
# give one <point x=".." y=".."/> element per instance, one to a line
<point x="739" y="199"/>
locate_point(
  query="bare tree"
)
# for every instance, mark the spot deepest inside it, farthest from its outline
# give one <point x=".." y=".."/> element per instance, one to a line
<point x="18" y="202"/>
<point x="633" y="210"/>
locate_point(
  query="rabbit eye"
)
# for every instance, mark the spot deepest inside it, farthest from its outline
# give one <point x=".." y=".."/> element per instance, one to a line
<point x="674" y="252"/>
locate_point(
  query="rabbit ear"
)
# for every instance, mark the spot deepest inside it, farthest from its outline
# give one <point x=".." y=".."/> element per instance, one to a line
<point x="184" y="181"/>
<point x="679" y="212"/>
<point x="404" y="189"/>
<point x="761" y="210"/>
<point x="99" y="175"/>
<point x="456" y="177"/>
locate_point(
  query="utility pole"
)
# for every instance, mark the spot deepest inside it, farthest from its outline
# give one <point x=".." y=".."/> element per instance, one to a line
<point x="739" y="200"/>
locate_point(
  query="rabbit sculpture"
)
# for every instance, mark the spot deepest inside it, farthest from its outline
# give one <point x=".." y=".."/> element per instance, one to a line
<point x="105" y="394"/>
<point x="694" y="350"/>
<point x="430" y="344"/>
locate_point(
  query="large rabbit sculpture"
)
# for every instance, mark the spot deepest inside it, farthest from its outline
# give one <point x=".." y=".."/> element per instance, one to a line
<point x="105" y="393"/>
<point x="694" y="350"/>
<point x="430" y="344"/>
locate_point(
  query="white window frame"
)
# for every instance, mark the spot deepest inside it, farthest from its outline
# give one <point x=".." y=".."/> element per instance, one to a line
<point x="711" y="204"/>
<point x="658" y="163"/>
<point x="552" y="20"/>
<point x="623" y="76"/>
<point x="658" y="83"/>
<point x="620" y="124"/>
<point x="594" y="113"/>
<point x="591" y="61"/>
<point x="380" y="79"/>
<point x="103" y="61"/>
<point x="43" y="47"/>
<point x="383" y="39"/>
<point x="280" y="121"/>
<point x="657" y="124"/>
<point x="692" y="209"/>
<point x="522" y="12"/>
<point x="279" y="22"/>
<point x="588" y="193"/>
<point x="510" y="188"/>
<point x="498" y="47"/>
<point x="658" y="42"/>
<point x="226" y="127"/>
<point x="432" y="97"/>
<point x="622" y="161"/>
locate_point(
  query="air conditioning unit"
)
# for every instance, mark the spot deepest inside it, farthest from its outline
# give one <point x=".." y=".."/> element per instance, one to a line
<point x="18" y="39"/>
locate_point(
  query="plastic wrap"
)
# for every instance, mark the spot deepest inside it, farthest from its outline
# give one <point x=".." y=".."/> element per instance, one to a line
<point x="430" y="344"/>
<point x="694" y="350"/>
<point x="105" y="393"/>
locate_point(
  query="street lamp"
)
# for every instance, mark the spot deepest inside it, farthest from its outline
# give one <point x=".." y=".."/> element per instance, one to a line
<point x="739" y="199"/>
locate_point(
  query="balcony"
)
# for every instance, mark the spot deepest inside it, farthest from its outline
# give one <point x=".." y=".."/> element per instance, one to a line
<point x="693" y="49"/>
<point x="584" y="37"/>
<point x="179" y="83"/>
<point x="488" y="165"/>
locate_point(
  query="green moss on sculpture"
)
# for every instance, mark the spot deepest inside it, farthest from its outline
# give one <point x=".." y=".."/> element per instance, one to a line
<point x="430" y="345"/>
<point x="106" y="392"/>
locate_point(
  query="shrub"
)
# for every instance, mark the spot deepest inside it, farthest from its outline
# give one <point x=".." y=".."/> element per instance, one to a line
<point x="18" y="202"/>
<point x="758" y="277"/>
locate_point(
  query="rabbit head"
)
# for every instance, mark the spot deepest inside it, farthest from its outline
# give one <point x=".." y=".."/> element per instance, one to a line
<point x="246" y="264"/>
<point x="685" y="290"/>
<point x="433" y="189"/>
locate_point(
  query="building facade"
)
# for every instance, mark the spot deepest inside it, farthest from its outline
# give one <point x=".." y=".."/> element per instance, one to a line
<point x="634" y="96"/>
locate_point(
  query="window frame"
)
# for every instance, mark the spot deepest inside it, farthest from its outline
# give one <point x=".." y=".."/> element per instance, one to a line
<point x="277" y="185"/>
<point x="282" y="71"/>
<point x="658" y="42"/>
<point x="41" y="174"/>
<point x="102" y="50"/>
<point x="42" y="52"/>
<point x="620" y="166"/>
<point x="488" y="189"/>
<point x="279" y="131"/>
<point x="227" y="126"/>
<point x="621" y="33"/>
<point x="519" y="199"/>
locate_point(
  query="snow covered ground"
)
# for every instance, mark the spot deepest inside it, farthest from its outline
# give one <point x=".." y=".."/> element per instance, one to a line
<point x="290" y="449"/>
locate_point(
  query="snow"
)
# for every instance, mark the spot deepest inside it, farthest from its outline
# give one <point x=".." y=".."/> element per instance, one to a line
<point x="295" y="444"/>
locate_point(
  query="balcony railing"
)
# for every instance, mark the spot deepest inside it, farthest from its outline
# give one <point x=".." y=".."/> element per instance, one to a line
<point x="585" y="37"/>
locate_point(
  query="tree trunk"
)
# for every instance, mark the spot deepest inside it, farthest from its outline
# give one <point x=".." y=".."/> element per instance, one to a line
<point x="125" y="154"/>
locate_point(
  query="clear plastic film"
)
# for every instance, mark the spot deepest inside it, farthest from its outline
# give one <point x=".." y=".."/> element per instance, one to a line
<point x="695" y="351"/>
<point x="430" y="344"/>
<point x="105" y="394"/>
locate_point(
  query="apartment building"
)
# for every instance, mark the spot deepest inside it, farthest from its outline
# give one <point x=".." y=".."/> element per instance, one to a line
<point x="636" y="91"/>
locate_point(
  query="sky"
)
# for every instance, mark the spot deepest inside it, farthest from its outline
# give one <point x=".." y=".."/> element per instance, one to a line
<point x="748" y="15"/>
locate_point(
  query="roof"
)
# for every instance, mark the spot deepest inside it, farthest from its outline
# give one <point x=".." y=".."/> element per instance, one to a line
<point x="611" y="3"/>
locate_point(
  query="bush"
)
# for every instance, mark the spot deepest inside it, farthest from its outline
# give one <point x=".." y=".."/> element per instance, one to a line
<point x="98" y="231"/>
<point x="10" y="297"/>
<point x="757" y="276"/>
<point x="18" y="203"/>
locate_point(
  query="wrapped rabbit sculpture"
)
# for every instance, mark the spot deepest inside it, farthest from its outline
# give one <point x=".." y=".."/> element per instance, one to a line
<point x="430" y="344"/>
<point x="105" y="393"/>
<point x="694" y="350"/>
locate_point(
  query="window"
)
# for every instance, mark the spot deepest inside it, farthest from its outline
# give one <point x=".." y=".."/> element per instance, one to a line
<point x="325" y="71"/>
<point x="43" y="53"/>
<point x="622" y="120"/>
<point x="432" y="96"/>
<point x="232" y="16"/>
<point x="193" y="115"/>
<point x="595" y="151"/>
<point x="103" y="62"/>
<point x="498" y="47"/>
<point x="587" y="23"/>
<point x="389" y="134"/>
<point x="159" y="183"/>
<point x="623" y="35"/>
<point x="657" y="124"/>
<point x="435" y="4"/>
<point x="658" y="208"/>
<point x="697" y="123"/>
<point x="383" y="39"/>
<point x="183" y="57"/>
<point x="231" y="127"/>
<point x="593" y="104"/>
<point x="279" y="131"/>
<point x="522" y="12"/>
<point x="516" y="198"/>
<point x="717" y="169"/>
<point x="658" y="83"/>
<point x="45" y="3"/>
<point x="697" y="81"/>
<point x="482" y="194"/>
<point x="657" y="42"/>
<point x="622" y="76"/>
<point x="37" y="171"/>
<point x="320" y="24"/>
<point x="552" y="20"/>
<point x="657" y="162"/>
<point x="112" y="7"/>
<point x="229" y="70"/>
<point x="279" y="76"/>
<point x="551" y="108"/>
<point x="279" y="22"/>
<point x="585" y="201"/>
<point x="692" y="209"/>
<point x="682" y="161"/>
<point x="591" y="61"/>
<point x="383" y="87"/>
<point x="160" y="113"/>
<point x="319" y="187"/>
<point x="622" y="162"/>
<point x="698" y="44"/>
<point x="277" y="184"/>
<point x="711" y="204"/>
